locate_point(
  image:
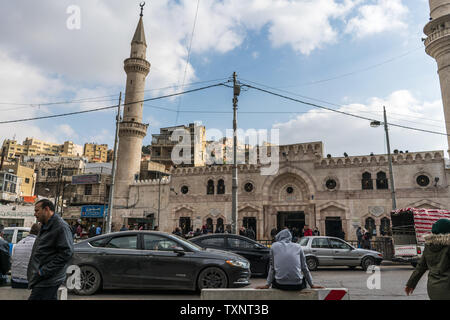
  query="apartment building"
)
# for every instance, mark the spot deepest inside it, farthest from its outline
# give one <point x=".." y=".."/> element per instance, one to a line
<point x="96" y="152"/>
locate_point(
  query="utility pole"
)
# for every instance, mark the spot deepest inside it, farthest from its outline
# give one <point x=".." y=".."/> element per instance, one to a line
<point x="234" y="201"/>
<point x="111" y="190"/>
<point x="391" y="174"/>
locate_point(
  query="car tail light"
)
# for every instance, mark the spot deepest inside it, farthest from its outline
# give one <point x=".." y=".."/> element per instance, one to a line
<point x="419" y="250"/>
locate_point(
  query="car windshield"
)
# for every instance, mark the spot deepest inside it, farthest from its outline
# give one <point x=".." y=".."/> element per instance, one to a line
<point x="188" y="244"/>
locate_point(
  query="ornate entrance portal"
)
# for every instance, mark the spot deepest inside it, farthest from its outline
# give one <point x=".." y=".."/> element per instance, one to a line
<point x="291" y="220"/>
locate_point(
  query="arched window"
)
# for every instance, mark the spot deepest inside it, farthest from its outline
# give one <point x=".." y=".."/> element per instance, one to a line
<point x="219" y="226"/>
<point x="382" y="182"/>
<point x="385" y="228"/>
<point x="221" y="187"/>
<point x="210" y="187"/>
<point x="367" y="183"/>
<point x="370" y="226"/>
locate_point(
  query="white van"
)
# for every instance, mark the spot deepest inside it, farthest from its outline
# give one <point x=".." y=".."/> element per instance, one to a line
<point x="14" y="234"/>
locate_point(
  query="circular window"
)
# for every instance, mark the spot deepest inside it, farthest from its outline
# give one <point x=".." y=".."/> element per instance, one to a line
<point x="248" y="187"/>
<point x="423" y="180"/>
<point x="331" y="184"/>
<point x="289" y="190"/>
<point x="184" y="189"/>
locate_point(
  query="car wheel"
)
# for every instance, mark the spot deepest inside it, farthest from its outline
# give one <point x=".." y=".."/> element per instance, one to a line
<point x="367" y="262"/>
<point x="212" y="277"/>
<point x="90" y="281"/>
<point x="312" y="263"/>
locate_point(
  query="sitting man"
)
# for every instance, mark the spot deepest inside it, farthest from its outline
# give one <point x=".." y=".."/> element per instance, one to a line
<point x="288" y="269"/>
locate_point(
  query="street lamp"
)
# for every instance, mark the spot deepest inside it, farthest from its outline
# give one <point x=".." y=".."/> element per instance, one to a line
<point x="375" y="124"/>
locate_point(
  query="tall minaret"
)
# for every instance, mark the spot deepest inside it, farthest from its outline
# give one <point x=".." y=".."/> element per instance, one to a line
<point x="438" y="46"/>
<point x="132" y="130"/>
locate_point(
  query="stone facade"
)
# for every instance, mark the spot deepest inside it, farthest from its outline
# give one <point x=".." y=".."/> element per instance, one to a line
<point x="328" y="193"/>
<point x="299" y="188"/>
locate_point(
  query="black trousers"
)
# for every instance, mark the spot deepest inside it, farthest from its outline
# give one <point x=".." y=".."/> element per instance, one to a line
<point x="46" y="293"/>
<point x="294" y="287"/>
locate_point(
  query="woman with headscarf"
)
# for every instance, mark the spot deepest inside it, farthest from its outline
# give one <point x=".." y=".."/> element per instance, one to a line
<point x="436" y="259"/>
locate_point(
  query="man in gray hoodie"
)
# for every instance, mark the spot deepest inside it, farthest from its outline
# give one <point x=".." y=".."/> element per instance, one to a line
<point x="288" y="269"/>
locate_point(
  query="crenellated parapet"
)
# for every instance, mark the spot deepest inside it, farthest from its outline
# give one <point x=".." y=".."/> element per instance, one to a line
<point x="380" y="160"/>
<point x="152" y="182"/>
<point x="214" y="169"/>
<point x="301" y="150"/>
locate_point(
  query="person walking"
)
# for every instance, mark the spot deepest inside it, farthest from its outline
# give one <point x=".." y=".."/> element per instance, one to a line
<point x="359" y="236"/>
<point x="436" y="259"/>
<point x="288" y="269"/>
<point x="316" y="232"/>
<point x="98" y="230"/>
<point x="5" y="258"/>
<point x="52" y="251"/>
<point x="177" y="232"/>
<point x="92" y="231"/>
<point x="273" y="234"/>
<point x="307" y="231"/>
<point x="21" y="257"/>
<point x="366" y="239"/>
<point x="79" y="231"/>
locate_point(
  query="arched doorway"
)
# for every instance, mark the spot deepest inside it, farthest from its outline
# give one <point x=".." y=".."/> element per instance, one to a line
<point x="333" y="227"/>
<point x="291" y="220"/>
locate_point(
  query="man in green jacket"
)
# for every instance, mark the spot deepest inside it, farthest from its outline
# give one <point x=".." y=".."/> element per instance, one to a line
<point x="436" y="259"/>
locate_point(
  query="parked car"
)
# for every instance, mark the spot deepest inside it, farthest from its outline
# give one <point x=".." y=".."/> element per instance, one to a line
<point x="12" y="235"/>
<point x="154" y="260"/>
<point x="257" y="254"/>
<point x="330" y="251"/>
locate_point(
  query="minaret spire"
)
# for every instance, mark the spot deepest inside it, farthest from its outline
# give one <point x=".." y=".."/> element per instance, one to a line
<point x="142" y="4"/>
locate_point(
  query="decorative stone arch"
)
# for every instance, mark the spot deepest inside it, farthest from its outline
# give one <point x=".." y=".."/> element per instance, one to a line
<point x="426" y="204"/>
<point x="306" y="183"/>
<point x="182" y="211"/>
<point x="332" y="209"/>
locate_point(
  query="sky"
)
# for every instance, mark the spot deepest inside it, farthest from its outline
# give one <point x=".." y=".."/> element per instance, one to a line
<point x="354" y="56"/>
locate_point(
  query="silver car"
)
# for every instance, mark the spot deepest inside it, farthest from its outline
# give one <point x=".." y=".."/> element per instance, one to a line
<point x="330" y="251"/>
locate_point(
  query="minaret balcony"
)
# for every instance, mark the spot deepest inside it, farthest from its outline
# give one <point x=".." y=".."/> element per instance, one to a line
<point x="137" y="65"/>
<point x="129" y="128"/>
<point x="437" y="35"/>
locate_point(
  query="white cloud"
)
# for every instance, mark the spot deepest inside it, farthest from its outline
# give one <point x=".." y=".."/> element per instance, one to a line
<point x="384" y="15"/>
<point x="341" y="133"/>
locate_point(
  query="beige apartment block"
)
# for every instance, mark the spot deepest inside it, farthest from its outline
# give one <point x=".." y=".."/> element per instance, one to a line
<point x="27" y="175"/>
<point x="33" y="147"/>
<point x="163" y="144"/>
<point x="96" y="152"/>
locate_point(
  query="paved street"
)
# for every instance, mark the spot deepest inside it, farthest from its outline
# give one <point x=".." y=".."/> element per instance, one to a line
<point x="393" y="279"/>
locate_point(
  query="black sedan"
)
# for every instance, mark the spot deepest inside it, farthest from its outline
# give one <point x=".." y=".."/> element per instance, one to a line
<point x="257" y="254"/>
<point x="154" y="260"/>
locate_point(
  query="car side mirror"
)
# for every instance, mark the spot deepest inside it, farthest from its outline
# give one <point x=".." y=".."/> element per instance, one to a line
<point x="178" y="250"/>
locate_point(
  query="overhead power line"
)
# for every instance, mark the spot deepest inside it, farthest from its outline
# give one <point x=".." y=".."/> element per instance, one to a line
<point x="111" y="107"/>
<point x="338" y="111"/>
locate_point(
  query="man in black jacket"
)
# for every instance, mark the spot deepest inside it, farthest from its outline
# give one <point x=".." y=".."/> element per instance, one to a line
<point x="51" y="253"/>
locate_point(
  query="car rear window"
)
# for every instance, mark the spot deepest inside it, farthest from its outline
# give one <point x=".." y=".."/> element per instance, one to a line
<point x="127" y="242"/>
<point x="240" y="244"/>
<point x="212" y="242"/>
